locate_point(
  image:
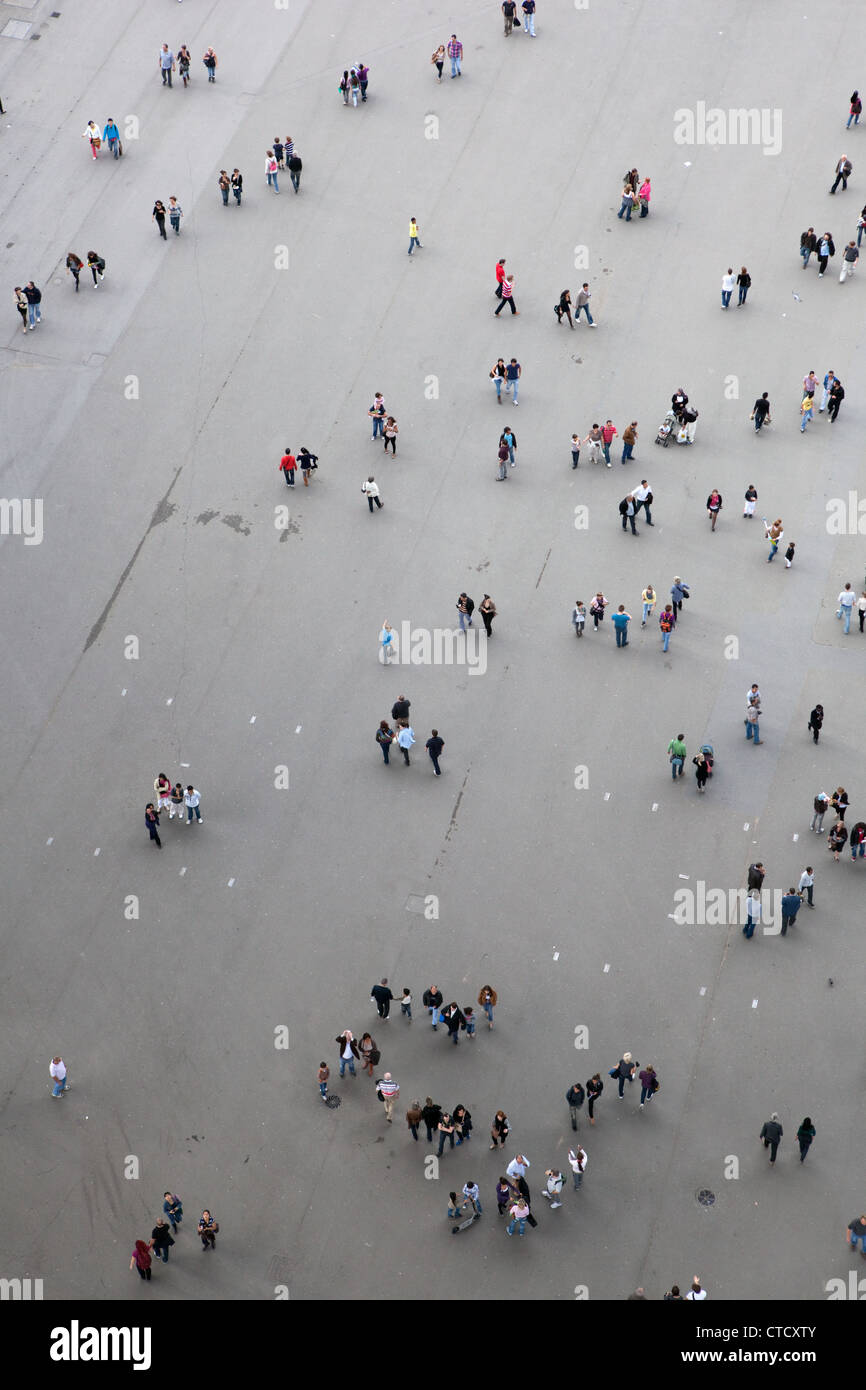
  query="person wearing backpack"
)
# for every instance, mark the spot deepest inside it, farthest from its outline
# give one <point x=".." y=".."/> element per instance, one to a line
<point x="210" y="62"/>
<point x="666" y="623"/>
<point x="270" y="172"/>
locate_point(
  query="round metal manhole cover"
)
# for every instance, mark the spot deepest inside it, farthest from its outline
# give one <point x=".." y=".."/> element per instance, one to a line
<point x="334" y="1102"/>
<point x="704" y="1197"/>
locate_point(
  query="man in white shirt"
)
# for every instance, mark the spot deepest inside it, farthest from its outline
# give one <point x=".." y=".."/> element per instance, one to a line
<point x="554" y="1187"/>
<point x="846" y="604"/>
<point x="389" y="1091"/>
<point x="695" y="1294"/>
<point x="728" y="283"/>
<point x="58" y="1072"/>
<point x="191" y="802"/>
<point x="643" y="498"/>
<point x="518" y="1166"/>
<point x="405" y="739"/>
<point x="807" y="884"/>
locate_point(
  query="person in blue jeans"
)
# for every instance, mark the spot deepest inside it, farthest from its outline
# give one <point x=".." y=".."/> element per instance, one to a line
<point x="753" y="913"/>
<point x="621" y="620"/>
<point x="446" y="1131"/>
<point x="348" y="1051"/>
<point x="627" y="202"/>
<point x="753" y="728"/>
<point x="584" y="295"/>
<point x="857" y="1232"/>
<point x="173" y="1209"/>
<point x="676" y="750"/>
<point x="513" y="373"/>
<point x="520" y="1211"/>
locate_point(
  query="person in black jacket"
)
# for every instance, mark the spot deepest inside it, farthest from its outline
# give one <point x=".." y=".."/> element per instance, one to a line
<point x="237" y="182"/>
<point x="771" y="1134"/>
<point x="431" y="1114"/>
<point x="151" y="820"/>
<point x="756" y="876"/>
<point x="454" y="1020"/>
<point x="837" y="396"/>
<point x="462" y="1121"/>
<point x="825" y="248"/>
<point x="400" y="710"/>
<point x="594" y="1088"/>
<point x="575" y="1095"/>
<point x="347" y="1051"/>
<point x="432" y="997"/>
<point x="34" y="299"/>
<point x="383" y="996"/>
<point x="744" y="282"/>
<point x="295" y="167"/>
<point x="816" y="719"/>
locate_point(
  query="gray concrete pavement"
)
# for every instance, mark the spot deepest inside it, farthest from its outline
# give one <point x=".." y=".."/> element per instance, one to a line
<point x="285" y="906"/>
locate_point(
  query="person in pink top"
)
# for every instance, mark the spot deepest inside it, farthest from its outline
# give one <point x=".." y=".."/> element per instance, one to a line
<point x="644" y="193"/>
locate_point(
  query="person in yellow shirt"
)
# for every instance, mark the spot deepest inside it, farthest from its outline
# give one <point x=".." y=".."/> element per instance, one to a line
<point x="648" y="599"/>
<point x="413" y="235"/>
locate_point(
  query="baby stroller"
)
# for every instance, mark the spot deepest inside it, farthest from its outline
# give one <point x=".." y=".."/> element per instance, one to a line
<point x="709" y="756"/>
<point x="669" y="425"/>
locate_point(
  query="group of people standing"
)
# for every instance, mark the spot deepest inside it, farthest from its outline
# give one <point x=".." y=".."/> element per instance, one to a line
<point x="636" y="194"/>
<point x="172" y="798"/>
<point x="162" y="1236"/>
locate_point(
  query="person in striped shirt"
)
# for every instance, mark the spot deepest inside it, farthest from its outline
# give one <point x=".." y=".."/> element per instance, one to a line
<point x="389" y="1091"/>
<point x="455" y="53"/>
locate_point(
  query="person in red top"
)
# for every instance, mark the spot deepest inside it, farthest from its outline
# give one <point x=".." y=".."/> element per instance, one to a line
<point x="500" y="276"/>
<point x="607" y="436"/>
<point x="288" y="464"/>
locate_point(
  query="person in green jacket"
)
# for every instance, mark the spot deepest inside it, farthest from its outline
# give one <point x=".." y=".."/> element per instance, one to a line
<point x="677" y="755"/>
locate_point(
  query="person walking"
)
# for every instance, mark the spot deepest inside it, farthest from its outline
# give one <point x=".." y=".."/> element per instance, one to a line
<point x="438" y="61"/>
<point x="594" y="442"/>
<point x="702" y="771"/>
<point x="434" y="746"/>
<point x="158" y="216"/>
<point x="775" y="532"/>
<point x="413" y="1118"/>
<point x="856" y="106"/>
<point x="287" y="465"/>
<point x="553" y="1189"/>
<point x="323" y="1076"/>
<point x="499" y="1130"/>
<point x="96" y="266"/>
<point x="857" y="1231"/>
<point x="770" y="1136"/>
<point x="151" y="821"/>
<point x="843" y="173"/>
<point x="74" y="267"/>
<point x="628" y="512"/>
<point x="791" y="902"/>
<point x="462" y="1121"/>
<point x="714" y="506"/>
<point x="584" y="295"/>
<point x="388" y="1090"/>
<point x="861" y="608"/>
<point x="431" y="1114"/>
<point x="643" y="496"/>
<point x="829" y="379"/>
<point x="578" y="617"/>
<point x="209" y="59"/>
<point x="806" y="885"/>
<point x="857" y="840"/>
<point x="308" y="463"/>
<point x="648" y="603"/>
<point x="594" y="1088"/>
<point x="677" y="753"/>
<point x="750" y="498"/>
<point x="166" y="64"/>
<point x="808" y="244"/>
<point x="406" y="1004"/>
<point x="141" y="1259"/>
<point x="487" y="609"/>
<point x="207" y="1229"/>
<point x="370" y="1054"/>
<point x="826" y="248"/>
<point x="667" y="618"/>
<point x="192" y="801"/>
<point x="390" y="432"/>
<point x="487" y="1000"/>
<point x="507" y="297"/>
<point x="405" y="739"/>
<point x="575" y="1096"/>
<point x="761" y="414"/>
<point x="629" y="439"/>
<point x="175" y="213"/>
<point x="363" y="80"/>
<point x="446" y="1131"/>
<point x="91" y="134"/>
<point x="58" y="1072"/>
<point x="432" y="1001"/>
<point x="21" y="304"/>
<point x="728" y="283"/>
<point x="370" y="489"/>
<point x="454" y="1020"/>
<point x="161" y="1239"/>
<point x="465" y="608"/>
<point x="386" y="644"/>
<point x="224" y="184"/>
<point x="752" y="721"/>
<point x="414" y="236"/>
<point x="347" y="1051"/>
<point x="296" y="165"/>
<point x="455" y="53"/>
<point x="680" y="589"/>
<point x="624" y="1071"/>
<point x="509" y="11"/>
<point x="237" y="185"/>
<point x="382" y="996"/>
<point x="837" y="840"/>
<point x="502" y="475"/>
<point x="621" y="620"/>
<point x="184" y="58"/>
<point x="33" y="295"/>
<point x="563" y="307"/>
<point x="509" y="439"/>
<point x="753" y="913"/>
<point x="850" y="257"/>
<point x="744" y="284"/>
<point x="861" y="225"/>
<point x="519" y="1212"/>
<point x="816" y="720"/>
<point x="172" y="1207"/>
<point x="497" y="376"/>
<point x="271" y="174"/>
<point x="820" y="807"/>
<point x="528" y="7"/>
<point x="596" y="610"/>
<point x="837" y="396"/>
<point x="111" y="136"/>
<point x="608" y="434"/>
<point x="789" y="554"/>
<point x="578" y="1160"/>
<point x="846" y="605"/>
<point x="513" y="373"/>
<point x="839" y="802"/>
<point x="649" y="1084"/>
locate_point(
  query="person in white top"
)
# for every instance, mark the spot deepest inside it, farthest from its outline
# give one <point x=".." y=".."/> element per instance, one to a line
<point x="61" y="1079"/>
<point x="389" y="1091"/>
<point x="91" y="133"/>
<point x="518" y="1166"/>
<point x="191" y="800"/>
<point x="554" y="1187"/>
<point x="846" y="603"/>
<point x="695" y="1294"/>
<point x="728" y="283"/>
<point x="386" y="643"/>
<point x="578" y="1160"/>
<point x="807" y="884"/>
